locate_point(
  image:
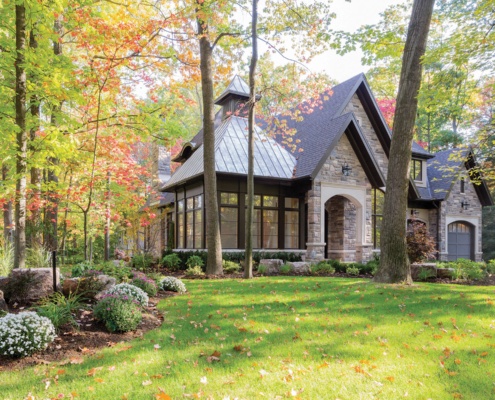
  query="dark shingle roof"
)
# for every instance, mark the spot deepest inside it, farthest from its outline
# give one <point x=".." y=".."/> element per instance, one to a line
<point x="443" y="170"/>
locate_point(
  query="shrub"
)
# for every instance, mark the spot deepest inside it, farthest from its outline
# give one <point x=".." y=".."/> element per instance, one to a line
<point x="286" y="269"/>
<point x="121" y="273"/>
<point x="490" y="267"/>
<point x="60" y="309"/>
<point x="352" y="271"/>
<point x="6" y="259"/>
<point x="89" y="287"/>
<point x="420" y="244"/>
<point x="262" y="269"/>
<point x="194" y="261"/>
<point x="18" y="286"/>
<point x="24" y="334"/>
<point x="172" y="261"/>
<point x="118" y="314"/>
<point x="231" y="267"/>
<point x="142" y="262"/>
<point x="38" y="257"/>
<point x="322" y="268"/>
<point x="173" y="284"/>
<point x="129" y="292"/>
<point x="425" y="274"/>
<point x="119" y="254"/>
<point x="145" y="283"/>
<point x="466" y="269"/>
<point x="194" y="271"/>
<point x="81" y="268"/>
<point x="157" y="277"/>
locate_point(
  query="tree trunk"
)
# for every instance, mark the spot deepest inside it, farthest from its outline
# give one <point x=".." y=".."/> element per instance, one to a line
<point x="8" y="230"/>
<point x="22" y="137"/>
<point x="394" y="262"/>
<point x="51" y="213"/>
<point x="248" y="262"/>
<point x="107" y="222"/>
<point x="85" y="233"/>
<point x="35" y="238"/>
<point x="213" y="239"/>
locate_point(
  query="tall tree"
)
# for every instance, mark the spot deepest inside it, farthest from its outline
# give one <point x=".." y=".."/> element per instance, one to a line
<point x="248" y="261"/>
<point x="213" y="240"/>
<point x="394" y="262"/>
<point x="22" y="136"/>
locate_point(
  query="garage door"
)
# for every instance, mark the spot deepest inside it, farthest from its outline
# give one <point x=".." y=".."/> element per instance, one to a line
<point x="460" y="241"/>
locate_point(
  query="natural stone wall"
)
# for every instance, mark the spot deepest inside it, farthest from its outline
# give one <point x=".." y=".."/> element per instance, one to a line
<point x="451" y="211"/>
<point x="356" y="107"/>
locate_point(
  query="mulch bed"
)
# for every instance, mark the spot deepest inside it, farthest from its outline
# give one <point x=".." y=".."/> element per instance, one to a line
<point x="70" y="344"/>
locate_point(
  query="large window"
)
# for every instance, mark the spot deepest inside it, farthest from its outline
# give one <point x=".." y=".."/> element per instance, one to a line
<point x="229" y="217"/>
<point x="180" y="224"/>
<point x="291" y="216"/>
<point x="417" y="170"/>
<point x="377" y="213"/>
<point x="194" y="222"/>
<point x="265" y="224"/>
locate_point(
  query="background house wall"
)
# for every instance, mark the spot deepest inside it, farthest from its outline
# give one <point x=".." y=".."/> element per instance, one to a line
<point x="452" y="211"/>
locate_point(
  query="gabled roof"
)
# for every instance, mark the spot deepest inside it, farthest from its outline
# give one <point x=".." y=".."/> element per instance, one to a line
<point x="443" y="172"/>
<point x="231" y="148"/>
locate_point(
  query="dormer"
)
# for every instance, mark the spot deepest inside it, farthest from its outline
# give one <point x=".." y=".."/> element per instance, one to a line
<point x="234" y="98"/>
<point x="418" y="171"/>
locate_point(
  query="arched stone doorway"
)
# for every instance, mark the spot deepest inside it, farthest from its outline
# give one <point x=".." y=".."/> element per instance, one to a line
<point x="341" y="229"/>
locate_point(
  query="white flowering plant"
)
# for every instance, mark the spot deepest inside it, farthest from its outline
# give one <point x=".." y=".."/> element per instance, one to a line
<point x="173" y="284"/>
<point x="129" y="292"/>
<point x="25" y="333"/>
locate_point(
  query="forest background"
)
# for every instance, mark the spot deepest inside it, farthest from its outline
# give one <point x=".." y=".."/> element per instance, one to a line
<point x="87" y="88"/>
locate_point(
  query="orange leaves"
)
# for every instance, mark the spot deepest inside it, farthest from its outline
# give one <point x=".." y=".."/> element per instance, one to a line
<point x="162" y="396"/>
<point x="390" y="378"/>
<point x="93" y="371"/>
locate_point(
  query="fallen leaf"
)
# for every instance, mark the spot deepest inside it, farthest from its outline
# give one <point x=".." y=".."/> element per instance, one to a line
<point x="99" y="380"/>
<point x="146" y="383"/>
<point x="390" y="378"/>
<point x="162" y="396"/>
<point x="203" y="380"/>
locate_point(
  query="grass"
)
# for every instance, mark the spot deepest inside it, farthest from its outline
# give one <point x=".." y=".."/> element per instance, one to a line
<point x="289" y="337"/>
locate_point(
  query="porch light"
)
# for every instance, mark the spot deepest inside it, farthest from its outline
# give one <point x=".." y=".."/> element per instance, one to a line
<point x="346" y="170"/>
<point x="464" y="205"/>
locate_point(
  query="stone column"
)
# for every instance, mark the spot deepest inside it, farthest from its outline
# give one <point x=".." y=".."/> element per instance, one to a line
<point x="315" y="247"/>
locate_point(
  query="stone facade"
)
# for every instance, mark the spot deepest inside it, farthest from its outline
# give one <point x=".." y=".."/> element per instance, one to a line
<point x="357" y="108"/>
<point x="452" y="211"/>
<point x="345" y="198"/>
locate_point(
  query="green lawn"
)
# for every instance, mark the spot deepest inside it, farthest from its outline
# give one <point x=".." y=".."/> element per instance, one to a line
<point x="308" y="338"/>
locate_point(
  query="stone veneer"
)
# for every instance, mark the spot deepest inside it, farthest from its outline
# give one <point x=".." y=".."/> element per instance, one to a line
<point x="452" y="211"/>
<point x="346" y="240"/>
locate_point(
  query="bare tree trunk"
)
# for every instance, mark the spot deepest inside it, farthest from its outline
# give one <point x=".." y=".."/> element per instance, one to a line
<point x="394" y="262"/>
<point x="35" y="238"/>
<point x="8" y="230"/>
<point x="85" y="232"/>
<point x="51" y="213"/>
<point x="22" y="137"/>
<point x="213" y="240"/>
<point x="107" y="221"/>
<point x="248" y="262"/>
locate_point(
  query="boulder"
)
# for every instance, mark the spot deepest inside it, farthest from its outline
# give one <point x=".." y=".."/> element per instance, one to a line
<point x="3" y="303"/>
<point x="429" y="269"/>
<point x="445" y="273"/>
<point x="43" y="278"/>
<point x="107" y="281"/>
<point x="300" y="267"/>
<point x="70" y="286"/>
<point x="272" y="265"/>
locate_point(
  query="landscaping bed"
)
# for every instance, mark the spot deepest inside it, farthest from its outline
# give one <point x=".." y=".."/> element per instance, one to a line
<point x="71" y="344"/>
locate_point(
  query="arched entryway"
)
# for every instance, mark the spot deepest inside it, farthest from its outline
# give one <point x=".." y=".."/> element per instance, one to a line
<point x="341" y="228"/>
<point x="460" y="240"/>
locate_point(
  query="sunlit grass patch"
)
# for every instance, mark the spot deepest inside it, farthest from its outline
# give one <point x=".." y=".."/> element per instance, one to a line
<point x="293" y="337"/>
